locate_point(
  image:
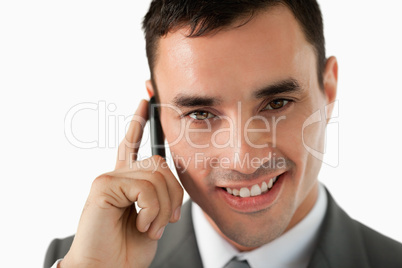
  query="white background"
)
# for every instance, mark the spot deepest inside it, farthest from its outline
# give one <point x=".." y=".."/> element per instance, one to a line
<point x="57" y="54"/>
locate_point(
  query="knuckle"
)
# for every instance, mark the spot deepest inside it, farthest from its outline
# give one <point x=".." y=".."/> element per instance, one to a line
<point x="154" y="206"/>
<point x="148" y="189"/>
<point x="157" y="158"/>
<point x="159" y="162"/>
<point x="101" y="180"/>
<point x="147" y="185"/>
<point x="158" y="177"/>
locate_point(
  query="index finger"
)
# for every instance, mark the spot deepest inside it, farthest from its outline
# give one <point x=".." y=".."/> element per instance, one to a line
<point x="129" y="146"/>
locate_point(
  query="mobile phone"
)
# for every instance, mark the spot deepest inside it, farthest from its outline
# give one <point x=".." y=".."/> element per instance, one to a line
<point x="157" y="138"/>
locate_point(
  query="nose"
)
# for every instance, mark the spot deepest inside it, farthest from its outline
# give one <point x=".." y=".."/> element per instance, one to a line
<point x="252" y="144"/>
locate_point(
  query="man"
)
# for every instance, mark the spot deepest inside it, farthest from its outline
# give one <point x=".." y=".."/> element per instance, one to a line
<point x="240" y="84"/>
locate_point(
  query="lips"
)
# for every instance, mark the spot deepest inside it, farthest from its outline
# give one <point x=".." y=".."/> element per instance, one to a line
<point x="254" y="197"/>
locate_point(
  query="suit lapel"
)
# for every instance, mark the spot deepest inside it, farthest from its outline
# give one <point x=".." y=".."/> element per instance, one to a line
<point x="340" y="242"/>
<point x="178" y="246"/>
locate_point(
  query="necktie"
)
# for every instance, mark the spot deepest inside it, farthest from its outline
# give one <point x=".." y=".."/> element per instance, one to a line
<point x="235" y="263"/>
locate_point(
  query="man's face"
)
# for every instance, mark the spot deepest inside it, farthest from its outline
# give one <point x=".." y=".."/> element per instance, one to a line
<point x="242" y="96"/>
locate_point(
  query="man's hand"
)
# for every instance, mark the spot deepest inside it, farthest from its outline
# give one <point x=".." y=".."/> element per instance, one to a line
<point x="111" y="233"/>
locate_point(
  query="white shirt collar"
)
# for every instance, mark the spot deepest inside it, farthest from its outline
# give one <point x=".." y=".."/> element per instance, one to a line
<point x="293" y="249"/>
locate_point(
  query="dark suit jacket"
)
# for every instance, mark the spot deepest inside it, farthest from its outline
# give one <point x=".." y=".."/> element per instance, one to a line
<point x="343" y="243"/>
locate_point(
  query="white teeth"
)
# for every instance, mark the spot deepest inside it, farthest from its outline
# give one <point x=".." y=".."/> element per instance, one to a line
<point x="244" y="192"/>
<point x="255" y="190"/>
<point x="236" y="192"/>
<point x="270" y="183"/>
<point x="264" y="187"/>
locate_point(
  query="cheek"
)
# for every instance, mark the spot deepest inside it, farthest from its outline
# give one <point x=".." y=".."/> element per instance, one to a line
<point x="187" y="159"/>
<point x="296" y="141"/>
<point x="191" y="174"/>
<point x="289" y="139"/>
<point x="172" y="129"/>
<point x="314" y="132"/>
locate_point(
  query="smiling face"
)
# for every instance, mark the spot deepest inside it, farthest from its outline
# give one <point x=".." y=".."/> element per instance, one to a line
<point x="237" y="101"/>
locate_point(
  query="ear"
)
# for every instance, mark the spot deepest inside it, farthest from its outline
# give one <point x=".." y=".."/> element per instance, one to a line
<point x="150" y="88"/>
<point x="330" y="84"/>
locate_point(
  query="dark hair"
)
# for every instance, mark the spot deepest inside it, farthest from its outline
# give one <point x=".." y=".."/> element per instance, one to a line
<point x="206" y="16"/>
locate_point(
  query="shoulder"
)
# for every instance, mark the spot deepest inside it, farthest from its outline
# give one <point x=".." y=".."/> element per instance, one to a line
<point x="345" y="242"/>
<point x="382" y="251"/>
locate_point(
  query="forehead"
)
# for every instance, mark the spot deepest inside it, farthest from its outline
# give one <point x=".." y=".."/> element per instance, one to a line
<point x="268" y="48"/>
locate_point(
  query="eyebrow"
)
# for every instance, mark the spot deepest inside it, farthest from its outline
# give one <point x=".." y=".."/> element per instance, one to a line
<point x="183" y="100"/>
<point x="285" y="86"/>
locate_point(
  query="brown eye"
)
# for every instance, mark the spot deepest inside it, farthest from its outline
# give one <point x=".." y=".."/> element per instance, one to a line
<point x="276" y="104"/>
<point x="201" y="115"/>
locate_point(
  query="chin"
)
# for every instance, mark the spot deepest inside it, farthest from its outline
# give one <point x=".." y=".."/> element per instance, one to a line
<point x="256" y="229"/>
